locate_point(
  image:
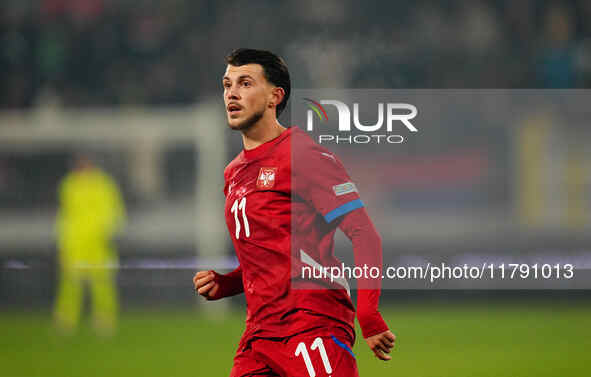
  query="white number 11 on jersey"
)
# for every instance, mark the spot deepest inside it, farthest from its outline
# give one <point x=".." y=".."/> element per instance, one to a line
<point x="240" y="206"/>
<point x="317" y="344"/>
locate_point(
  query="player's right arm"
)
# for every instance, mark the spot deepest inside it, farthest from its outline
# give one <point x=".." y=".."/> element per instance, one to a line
<point x="214" y="286"/>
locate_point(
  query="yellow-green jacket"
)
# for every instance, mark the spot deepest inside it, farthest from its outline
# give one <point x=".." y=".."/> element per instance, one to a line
<point x="91" y="211"/>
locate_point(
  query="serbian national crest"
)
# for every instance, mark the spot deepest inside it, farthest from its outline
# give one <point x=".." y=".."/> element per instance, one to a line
<point x="266" y="179"/>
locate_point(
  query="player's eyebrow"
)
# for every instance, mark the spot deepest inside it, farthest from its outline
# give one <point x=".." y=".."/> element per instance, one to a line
<point x="241" y="77"/>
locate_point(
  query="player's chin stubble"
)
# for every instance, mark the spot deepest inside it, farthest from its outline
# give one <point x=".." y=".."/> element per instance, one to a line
<point x="247" y="123"/>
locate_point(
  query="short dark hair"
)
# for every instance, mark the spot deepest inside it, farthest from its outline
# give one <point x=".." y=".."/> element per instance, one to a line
<point x="274" y="68"/>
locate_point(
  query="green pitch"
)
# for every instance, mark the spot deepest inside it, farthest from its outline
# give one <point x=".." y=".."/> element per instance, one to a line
<point x="509" y="339"/>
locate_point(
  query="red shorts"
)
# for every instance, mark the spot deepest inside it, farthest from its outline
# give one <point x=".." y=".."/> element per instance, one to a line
<point x="320" y="352"/>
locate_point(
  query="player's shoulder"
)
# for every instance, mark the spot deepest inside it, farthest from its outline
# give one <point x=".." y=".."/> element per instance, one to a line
<point x="305" y="149"/>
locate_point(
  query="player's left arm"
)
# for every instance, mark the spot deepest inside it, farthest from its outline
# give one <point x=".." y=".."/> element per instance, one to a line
<point x="320" y="178"/>
<point x="367" y="248"/>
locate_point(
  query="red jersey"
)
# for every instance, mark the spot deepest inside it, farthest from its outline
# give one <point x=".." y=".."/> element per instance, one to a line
<point x="281" y="216"/>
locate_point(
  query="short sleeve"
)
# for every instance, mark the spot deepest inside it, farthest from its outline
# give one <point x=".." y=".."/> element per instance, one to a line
<point x="320" y="178"/>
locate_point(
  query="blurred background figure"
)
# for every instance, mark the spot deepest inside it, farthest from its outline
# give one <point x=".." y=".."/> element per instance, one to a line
<point x="557" y="65"/>
<point x="91" y="212"/>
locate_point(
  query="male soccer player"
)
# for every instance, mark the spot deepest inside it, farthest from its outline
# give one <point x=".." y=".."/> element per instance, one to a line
<point x="282" y="217"/>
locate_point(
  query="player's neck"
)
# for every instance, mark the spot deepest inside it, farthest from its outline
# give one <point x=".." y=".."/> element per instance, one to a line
<point x="261" y="132"/>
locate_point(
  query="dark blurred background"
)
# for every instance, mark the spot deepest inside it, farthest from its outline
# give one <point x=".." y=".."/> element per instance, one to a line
<point x="116" y="52"/>
<point x="81" y="74"/>
<point x="136" y="85"/>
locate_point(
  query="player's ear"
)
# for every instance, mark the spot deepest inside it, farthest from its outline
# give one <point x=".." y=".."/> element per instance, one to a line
<point x="277" y="94"/>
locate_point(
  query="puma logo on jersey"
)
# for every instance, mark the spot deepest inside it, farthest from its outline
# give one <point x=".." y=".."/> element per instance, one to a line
<point x="329" y="156"/>
<point x="266" y="178"/>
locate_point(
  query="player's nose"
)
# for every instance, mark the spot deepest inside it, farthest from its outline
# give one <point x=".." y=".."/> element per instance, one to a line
<point x="232" y="93"/>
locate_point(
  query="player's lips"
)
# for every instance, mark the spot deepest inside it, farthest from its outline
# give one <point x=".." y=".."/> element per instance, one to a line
<point x="233" y="108"/>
